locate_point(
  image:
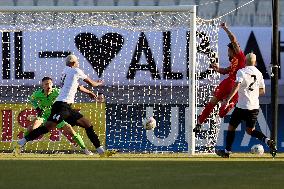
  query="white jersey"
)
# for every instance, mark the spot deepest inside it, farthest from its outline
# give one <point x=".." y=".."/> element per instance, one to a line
<point x="250" y="79"/>
<point x="70" y="82"/>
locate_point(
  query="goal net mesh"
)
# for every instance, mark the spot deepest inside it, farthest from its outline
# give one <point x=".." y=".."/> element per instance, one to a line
<point x="143" y="58"/>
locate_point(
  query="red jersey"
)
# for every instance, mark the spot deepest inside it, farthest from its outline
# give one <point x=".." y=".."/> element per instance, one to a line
<point x="225" y="87"/>
<point x="238" y="62"/>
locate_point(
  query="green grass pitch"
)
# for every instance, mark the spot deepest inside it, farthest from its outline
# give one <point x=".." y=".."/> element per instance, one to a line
<point x="147" y="171"/>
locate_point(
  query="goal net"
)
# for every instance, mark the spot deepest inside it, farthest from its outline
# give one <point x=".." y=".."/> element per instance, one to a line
<point x="154" y="62"/>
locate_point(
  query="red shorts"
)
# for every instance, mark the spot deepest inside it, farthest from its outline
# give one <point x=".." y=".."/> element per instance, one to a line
<point x="224" y="89"/>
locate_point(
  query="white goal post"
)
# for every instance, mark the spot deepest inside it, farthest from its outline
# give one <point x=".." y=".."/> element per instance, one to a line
<point x="145" y="18"/>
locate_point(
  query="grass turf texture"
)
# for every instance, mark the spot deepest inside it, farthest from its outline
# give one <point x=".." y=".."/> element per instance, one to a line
<point x="174" y="171"/>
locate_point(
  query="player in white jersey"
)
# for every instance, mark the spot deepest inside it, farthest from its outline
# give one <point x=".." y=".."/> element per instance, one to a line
<point x="249" y="85"/>
<point x="62" y="112"/>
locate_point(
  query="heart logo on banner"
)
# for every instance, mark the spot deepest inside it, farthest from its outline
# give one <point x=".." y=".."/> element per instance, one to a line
<point x="99" y="52"/>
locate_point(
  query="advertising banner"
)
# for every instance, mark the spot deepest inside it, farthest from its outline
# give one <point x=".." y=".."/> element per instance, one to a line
<point x="14" y="120"/>
<point x="120" y="127"/>
<point x="169" y="135"/>
<point x="119" y="57"/>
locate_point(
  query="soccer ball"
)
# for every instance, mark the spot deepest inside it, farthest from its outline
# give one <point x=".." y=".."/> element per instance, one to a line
<point x="257" y="149"/>
<point x="149" y="123"/>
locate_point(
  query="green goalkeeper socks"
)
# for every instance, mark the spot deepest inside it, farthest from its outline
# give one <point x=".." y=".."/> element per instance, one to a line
<point x="78" y="139"/>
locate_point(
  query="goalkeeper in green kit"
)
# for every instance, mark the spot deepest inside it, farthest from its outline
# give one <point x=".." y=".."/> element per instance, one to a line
<point x="42" y="101"/>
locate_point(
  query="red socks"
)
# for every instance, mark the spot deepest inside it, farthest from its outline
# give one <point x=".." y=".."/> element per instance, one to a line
<point x="206" y="112"/>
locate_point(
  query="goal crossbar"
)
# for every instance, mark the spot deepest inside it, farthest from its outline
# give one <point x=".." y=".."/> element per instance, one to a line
<point x="180" y="8"/>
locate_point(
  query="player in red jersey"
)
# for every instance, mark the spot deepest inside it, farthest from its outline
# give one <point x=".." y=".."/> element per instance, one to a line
<point x="237" y="61"/>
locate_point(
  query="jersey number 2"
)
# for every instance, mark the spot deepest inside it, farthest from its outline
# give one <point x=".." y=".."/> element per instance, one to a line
<point x="250" y="85"/>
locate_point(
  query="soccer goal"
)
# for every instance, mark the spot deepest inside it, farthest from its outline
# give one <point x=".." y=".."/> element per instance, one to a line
<point x="154" y="61"/>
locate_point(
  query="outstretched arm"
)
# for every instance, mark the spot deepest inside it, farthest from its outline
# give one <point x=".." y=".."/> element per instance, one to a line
<point x="220" y="70"/>
<point x="93" y="83"/>
<point x="35" y="103"/>
<point x="87" y="91"/>
<point x="232" y="38"/>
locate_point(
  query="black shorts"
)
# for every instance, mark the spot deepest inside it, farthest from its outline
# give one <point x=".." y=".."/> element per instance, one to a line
<point x="62" y="111"/>
<point x="239" y="115"/>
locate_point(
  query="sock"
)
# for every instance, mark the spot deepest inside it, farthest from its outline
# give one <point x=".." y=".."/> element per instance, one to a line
<point x="259" y="135"/>
<point x="26" y="133"/>
<point x="36" y="133"/>
<point x="100" y="150"/>
<point x="229" y="140"/>
<point x="78" y="139"/>
<point x="93" y="137"/>
<point x="206" y="112"/>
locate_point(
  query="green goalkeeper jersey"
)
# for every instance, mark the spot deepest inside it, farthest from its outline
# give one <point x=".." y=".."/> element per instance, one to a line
<point x="39" y="100"/>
